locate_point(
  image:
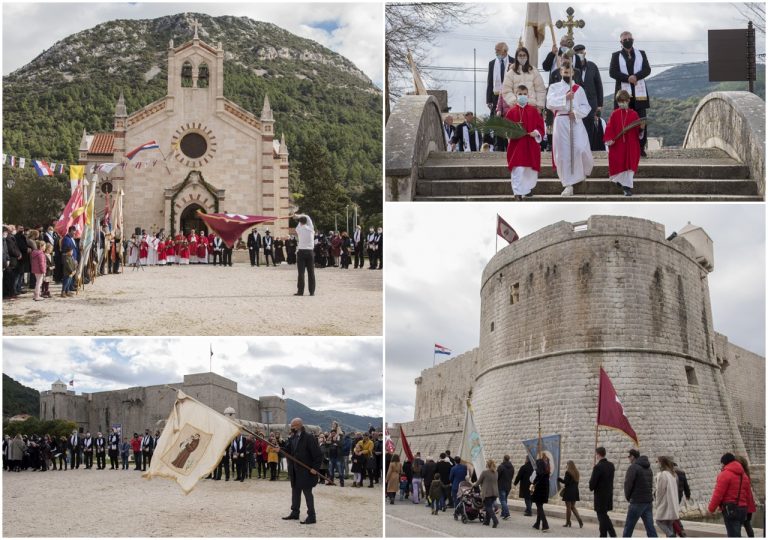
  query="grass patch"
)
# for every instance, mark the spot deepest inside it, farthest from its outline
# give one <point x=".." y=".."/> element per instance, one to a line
<point x="27" y="319"/>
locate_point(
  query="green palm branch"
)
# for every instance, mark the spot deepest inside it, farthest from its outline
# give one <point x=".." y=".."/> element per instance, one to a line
<point x="501" y="127"/>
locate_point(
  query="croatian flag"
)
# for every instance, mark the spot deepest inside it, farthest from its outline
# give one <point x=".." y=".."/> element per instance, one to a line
<point x="146" y="146"/>
<point x="439" y="349"/>
<point x="42" y="168"/>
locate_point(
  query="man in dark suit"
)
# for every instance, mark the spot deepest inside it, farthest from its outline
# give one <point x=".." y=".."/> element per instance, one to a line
<point x="147" y="446"/>
<point x="114" y="450"/>
<point x="359" y="243"/>
<point x="601" y="483"/>
<point x="552" y="67"/>
<point x="630" y="68"/>
<point x="593" y="87"/>
<point x="467" y="138"/>
<point x="238" y="455"/>
<point x="100" y="444"/>
<point x="268" y="253"/>
<point x="497" y="69"/>
<point x="88" y="451"/>
<point x="218" y="248"/>
<point x="75" y="446"/>
<point x="223" y="465"/>
<point x="304" y="447"/>
<point x="254" y="245"/>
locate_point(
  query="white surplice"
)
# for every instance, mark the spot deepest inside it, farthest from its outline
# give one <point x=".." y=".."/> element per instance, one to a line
<point x="561" y="150"/>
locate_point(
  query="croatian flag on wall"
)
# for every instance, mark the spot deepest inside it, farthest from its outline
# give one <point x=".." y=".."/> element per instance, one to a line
<point x="146" y="146"/>
<point x="439" y="349"/>
<point x="42" y="168"/>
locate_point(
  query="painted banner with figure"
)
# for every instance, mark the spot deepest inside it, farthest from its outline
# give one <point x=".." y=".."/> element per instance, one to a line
<point x="550" y="445"/>
<point x="192" y="443"/>
<point x="471" y="451"/>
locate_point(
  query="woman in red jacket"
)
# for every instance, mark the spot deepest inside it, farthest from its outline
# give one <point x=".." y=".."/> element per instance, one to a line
<point x="732" y="494"/>
<point x="37" y="267"/>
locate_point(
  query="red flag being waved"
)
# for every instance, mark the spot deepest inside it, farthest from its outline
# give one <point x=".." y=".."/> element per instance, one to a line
<point x="505" y="230"/>
<point x="73" y="213"/>
<point x="406" y="446"/>
<point x="610" y="412"/>
<point x="231" y="226"/>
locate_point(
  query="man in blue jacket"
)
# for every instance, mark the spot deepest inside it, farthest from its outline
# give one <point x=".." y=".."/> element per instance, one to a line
<point x="457" y="476"/>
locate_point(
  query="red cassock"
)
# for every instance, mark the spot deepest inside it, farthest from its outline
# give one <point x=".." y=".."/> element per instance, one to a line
<point x="184" y="251"/>
<point x="624" y="153"/>
<point x="202" y="248"/>
<point x="161" y="251"/>
<point x="525" y="151"/>
<point x="170" y="249"/>
<point x="143" y="249"/>
<point x="192" y="239"/>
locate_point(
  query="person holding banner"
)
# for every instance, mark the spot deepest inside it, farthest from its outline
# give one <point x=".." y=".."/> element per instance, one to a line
<point x="303" y="447"/>
<point x="305" y="255"/>
<point x="541" y="492"/>
<point x="629" y="68"/>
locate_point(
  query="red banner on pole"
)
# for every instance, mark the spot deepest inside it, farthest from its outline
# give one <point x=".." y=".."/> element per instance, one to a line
<point x="406" y="446"/>
<point x="610" y="412"/>
<point x="505" y="230"/>
<point x="231" y="226"/>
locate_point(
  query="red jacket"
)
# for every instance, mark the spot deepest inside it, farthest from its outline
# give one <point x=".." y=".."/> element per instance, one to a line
<point x="727" y="488"/>
<point x="38" y="262"/>
<point x="136" y="444"/>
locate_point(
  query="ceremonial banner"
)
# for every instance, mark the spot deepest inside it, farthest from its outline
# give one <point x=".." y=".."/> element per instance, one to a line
<point x="405" y="445"/>
<point x="504" y="230"/>
<point x="418" y="84"/>
<point x="231" y="226"/>
<point x="76" y="174"/>
<point x="192" y="443"/>
<point x="537" y="19"/>
<point x="389" y="446"/>
<point x="68" y="217"/>
<point x="471" y="450"/>
<point x="86" y="240"/>
<point x="550" y="445"/>
<point x="610" y="412"/>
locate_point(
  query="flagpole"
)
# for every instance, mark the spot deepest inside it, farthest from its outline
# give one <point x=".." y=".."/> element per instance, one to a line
<point x="497" y="233"/>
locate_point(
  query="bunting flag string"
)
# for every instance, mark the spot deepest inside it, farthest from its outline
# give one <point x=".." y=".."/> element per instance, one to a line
<point x="45" y="168"/>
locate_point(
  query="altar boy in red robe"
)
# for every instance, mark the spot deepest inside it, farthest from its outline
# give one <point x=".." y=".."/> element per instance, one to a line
<point x="143" y="250"/>
<point x="202" y="249"/>
<point x="524" y="154"/>
<point x="624" y="152"/>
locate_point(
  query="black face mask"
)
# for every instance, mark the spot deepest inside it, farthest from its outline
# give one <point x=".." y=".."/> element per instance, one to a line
<point x="567" y="80"/>
<point x="294" y="431"/>
<point x="627" y="43"/>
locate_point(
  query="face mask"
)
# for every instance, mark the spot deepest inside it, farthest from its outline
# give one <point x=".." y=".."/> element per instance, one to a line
<point x="627" y="43"/>
<point x="380" y="231"/>
<point x="522" y="59"/>
<point x="500" y="57"/>
<point x="294" y="430"/>
<point x="623" y="105"/>
<point x="370" y="230"/>
<point x="563" y="49"/>
<point x="522" y="100"/>
<point x="567" y="80"/>
<point x="582" y="57"/>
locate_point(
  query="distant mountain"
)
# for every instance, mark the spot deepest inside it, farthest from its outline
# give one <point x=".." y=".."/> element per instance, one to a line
<point x="692" y="80"/>
<point x="349" y="422"/>
<point x="19" y="399"/>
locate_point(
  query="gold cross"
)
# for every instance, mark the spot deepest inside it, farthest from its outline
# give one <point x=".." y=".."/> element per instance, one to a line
<point x="569" y="23"/>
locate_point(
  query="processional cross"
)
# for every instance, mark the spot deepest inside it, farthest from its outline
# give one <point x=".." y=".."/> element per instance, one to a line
<point x="570" y="23"/>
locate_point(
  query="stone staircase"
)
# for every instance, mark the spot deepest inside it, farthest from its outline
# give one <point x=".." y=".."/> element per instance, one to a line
<point x="670" y="174"/>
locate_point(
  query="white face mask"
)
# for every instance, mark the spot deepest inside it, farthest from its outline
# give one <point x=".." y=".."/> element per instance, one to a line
<point x="583" y="57"/>
<point x="623" y="105"/>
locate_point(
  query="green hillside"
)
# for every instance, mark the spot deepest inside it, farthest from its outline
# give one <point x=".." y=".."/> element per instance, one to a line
<point x="318" y="97"/>
<point x="349" y="422"/>
<point x="19" y="399"/>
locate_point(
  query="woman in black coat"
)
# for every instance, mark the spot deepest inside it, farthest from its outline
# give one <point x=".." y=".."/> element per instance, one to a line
<point x="541" y="492"/>
<point x="570" y="493"/>
<point x="524" y="479"/>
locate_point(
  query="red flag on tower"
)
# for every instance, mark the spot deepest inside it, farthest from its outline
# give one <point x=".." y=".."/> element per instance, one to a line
<point x="406" y="446"/>
<point x="610" y="412"/>
<point x="505" y="230"/>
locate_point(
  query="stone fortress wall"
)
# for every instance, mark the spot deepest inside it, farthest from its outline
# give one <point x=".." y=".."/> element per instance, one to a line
<point x="612" y="292"/>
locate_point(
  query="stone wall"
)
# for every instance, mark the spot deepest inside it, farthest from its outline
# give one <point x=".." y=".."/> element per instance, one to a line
<point x="440" y="390"/>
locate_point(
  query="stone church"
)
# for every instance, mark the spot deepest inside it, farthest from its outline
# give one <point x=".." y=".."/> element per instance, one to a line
<point x="213" y="155"/>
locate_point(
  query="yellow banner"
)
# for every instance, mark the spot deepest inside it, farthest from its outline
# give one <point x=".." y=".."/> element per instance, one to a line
<point x="76" y="172"/>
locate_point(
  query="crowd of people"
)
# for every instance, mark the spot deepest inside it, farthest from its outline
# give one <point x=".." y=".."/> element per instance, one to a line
<point x="563" y="116"/>
<point x="36" y="258"/>
<point x="437" y="484"/>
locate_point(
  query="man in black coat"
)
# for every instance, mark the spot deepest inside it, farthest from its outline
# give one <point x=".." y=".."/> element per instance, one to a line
<point x="147" y="447"/>
<point x="497" y="69"/>
<point x="593" y="87"/>
<point x="601" y="483"/>
<point x="254" y="245"/>
<point x="443" y="468"/>
<point x="114" y="450"/>
<point x="100" y="444"/>
<point x="239" y="449"/>
<point x="505" y="471"/>
<point x="524" y="479"/>
<point x="88" y="451"/>
<point x="304" y="447"/>
<point x="638" y="489"/>
<point x="549" y="63"/>
<point x="467" y="138"/>
<point x="630" y="67"/>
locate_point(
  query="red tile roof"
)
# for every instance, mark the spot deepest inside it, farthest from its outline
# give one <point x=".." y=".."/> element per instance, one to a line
<point x="102" y="143"/>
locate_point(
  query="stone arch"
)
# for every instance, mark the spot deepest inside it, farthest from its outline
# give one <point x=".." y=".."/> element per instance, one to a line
<point x="186" y="74"/>
<point x="203" y="75"/>
<point x="189" y="219"/>
<point x="193" y="190"/>
<point x="414" y="129"/>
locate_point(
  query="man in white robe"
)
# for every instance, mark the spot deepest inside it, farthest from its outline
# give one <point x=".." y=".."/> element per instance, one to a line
<point x="560" y="95"/>
<point x="152" y="255"/>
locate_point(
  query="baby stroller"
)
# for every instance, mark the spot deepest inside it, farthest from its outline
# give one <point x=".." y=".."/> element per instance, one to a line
<point x="469" y="505"/>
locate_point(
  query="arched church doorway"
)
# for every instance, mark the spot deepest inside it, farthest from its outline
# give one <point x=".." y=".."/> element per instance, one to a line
<point x="190" y="220"/>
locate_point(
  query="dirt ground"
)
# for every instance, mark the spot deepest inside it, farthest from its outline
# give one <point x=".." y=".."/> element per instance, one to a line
<point x="207" y="300"/>
<point x="93" y="503"/>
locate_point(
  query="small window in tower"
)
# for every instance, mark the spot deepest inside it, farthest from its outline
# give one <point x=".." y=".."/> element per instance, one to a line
<point x="202" y="76"/>
<point x="492" y="326"/>
<point x="186" y="75"/>
<point x="690" y="373"/>
<point x="514" y="294"/>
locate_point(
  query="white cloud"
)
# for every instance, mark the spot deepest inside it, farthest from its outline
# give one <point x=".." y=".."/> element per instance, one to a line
<point x="432" y="294"/>
<point x="30" y="28"/>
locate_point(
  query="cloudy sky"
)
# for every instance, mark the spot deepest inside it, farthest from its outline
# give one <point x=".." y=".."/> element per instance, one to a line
<point x="354" y="30"/>
<point x="669" y="33"/>
<point x="433" y="278"/>
<point x="343" y="374"/>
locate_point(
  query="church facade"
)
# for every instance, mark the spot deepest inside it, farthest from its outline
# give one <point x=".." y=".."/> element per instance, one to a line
<point x="213" y="155"/>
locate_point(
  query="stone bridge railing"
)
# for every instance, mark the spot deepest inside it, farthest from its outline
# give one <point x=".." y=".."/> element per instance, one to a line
<point x="735" y="123"/>
<point x="414" y="129"/>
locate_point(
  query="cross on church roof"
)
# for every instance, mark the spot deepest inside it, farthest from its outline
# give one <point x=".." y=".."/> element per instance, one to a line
<point x="570" y="23"/>
<point x="195" y="25"/>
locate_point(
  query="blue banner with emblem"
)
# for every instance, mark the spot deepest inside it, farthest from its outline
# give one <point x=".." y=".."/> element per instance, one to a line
<point x="550" y="445"/>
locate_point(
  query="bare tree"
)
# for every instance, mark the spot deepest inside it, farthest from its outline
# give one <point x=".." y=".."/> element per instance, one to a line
<point x="755" y="12"/>
<point x="411" y="26"/>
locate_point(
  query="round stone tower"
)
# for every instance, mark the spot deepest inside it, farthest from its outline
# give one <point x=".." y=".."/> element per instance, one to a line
<point x="612" y="292"/>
